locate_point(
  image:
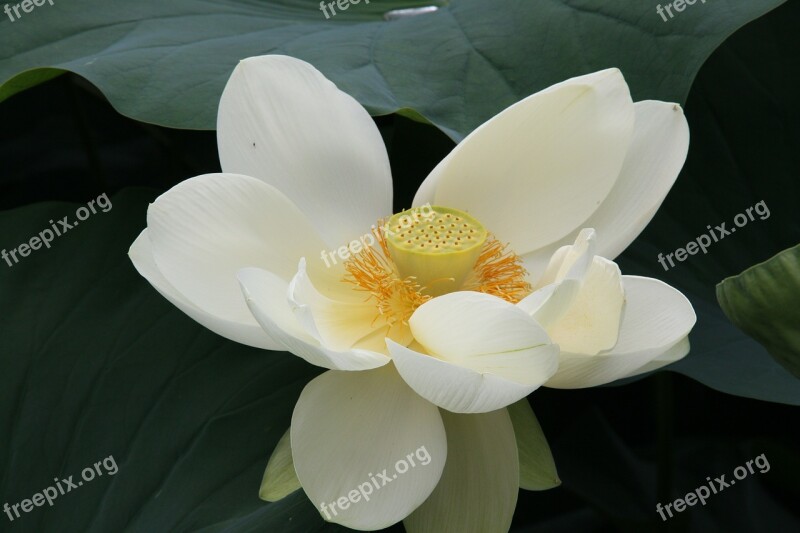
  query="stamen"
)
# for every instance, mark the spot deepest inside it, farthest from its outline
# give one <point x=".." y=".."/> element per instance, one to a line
<point x="499" y="272"/>
<point x="372" y="271"/>
<point x="479" y="263"/>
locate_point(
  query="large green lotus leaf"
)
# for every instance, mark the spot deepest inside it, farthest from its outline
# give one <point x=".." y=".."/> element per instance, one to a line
<point x="95" y="363"/>
<point x="167" y="62"/>
<point x="743" y="113"/>
<point x="764" y="301"/>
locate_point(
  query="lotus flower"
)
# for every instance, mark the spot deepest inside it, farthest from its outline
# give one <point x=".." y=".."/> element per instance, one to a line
<point x="434" y="320"/>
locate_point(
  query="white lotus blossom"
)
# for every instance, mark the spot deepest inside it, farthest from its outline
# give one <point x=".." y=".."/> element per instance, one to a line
<point x="436" y="325"/>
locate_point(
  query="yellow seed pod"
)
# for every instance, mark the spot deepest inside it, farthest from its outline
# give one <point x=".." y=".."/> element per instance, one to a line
<point x="437" y="245"/>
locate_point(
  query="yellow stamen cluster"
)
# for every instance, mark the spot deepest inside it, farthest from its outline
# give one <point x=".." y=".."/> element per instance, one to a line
<point x="499" y="272"/>
<point x="373" y="272"/>
<point x="397" y="292"/>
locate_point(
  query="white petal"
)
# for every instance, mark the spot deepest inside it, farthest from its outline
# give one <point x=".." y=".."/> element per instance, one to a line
<point x="572" y="262"/>
<point x="484" y="353"/>
<point x="350" y="428"/>
<point x="338" y="325"/>
<point x="246" y="331"/>
<point x="654" y="160"/>
<point x="267" y="297"/>
<point x="581" y="304"/>
<point x="540" y="168"/>
<point x="592" y="321"/>
<point x="539" y="299"/>
<point x="479" y="486"/>
<point x="279" y="479"/>
<point x="561" y="281"/>
<point x="205" y="229"/>
<point x="656" y="318"/>
<point x="463" y="326"/>
<point x="674" y="353"/>
<point x="282" y="121"/>
<point x="536" y="262"/>
<point x="656" y="315"/>
<point x="456" y="388"/>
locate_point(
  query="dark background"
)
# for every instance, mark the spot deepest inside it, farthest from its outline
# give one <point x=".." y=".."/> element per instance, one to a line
<point x="619" y="450"/>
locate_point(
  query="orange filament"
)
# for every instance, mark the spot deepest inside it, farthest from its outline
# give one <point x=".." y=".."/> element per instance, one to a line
<point x="497" y="271"/>
<point x="373" y="272"/>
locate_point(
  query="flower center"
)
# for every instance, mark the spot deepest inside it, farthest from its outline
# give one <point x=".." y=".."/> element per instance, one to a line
<point x="439" y="248"/>
<point x="421" y="254"/>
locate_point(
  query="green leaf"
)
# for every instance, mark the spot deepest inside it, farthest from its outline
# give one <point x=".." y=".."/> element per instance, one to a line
<point x="95" y="363"/>
<point x="26" y="80"/>
<point x="279" y="479"/>
<point x="537" y="469"/>
<point x="764" y="301"/>
<point x="167" y="62"/>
